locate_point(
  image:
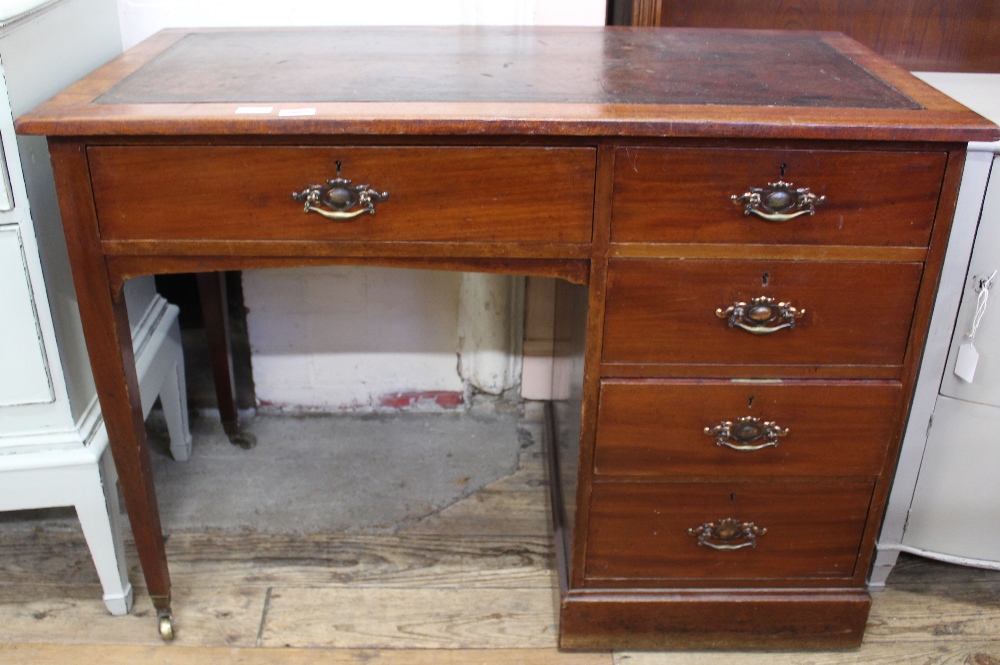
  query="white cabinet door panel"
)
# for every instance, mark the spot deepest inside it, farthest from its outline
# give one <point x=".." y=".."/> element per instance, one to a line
<point x="24" y="376"/>
<point x="985" y="387"/>
<point x="956" y="505"/>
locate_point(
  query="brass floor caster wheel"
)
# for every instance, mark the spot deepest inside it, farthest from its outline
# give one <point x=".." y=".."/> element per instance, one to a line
<point x="166" y="624"/>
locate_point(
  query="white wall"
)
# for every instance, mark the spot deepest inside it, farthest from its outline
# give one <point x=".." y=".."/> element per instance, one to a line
<point x="141" y="18"/>
<point x="362" y="338"/>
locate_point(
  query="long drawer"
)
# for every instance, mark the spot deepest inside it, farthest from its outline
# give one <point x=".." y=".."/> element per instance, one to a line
<point x="645" y="533"/>
<point x="680" y="195"/>
<point x="444" y="194"/>
<point x="678" y="311"/>
<point x="702" y="429"/>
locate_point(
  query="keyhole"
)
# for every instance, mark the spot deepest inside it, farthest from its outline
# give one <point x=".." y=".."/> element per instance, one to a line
<point x="783" y="167"/>
<point x="750" y="403"/>
<point x="732" y="498"/>
<point x="338" y="167"/>
<point x="764" y="279"/>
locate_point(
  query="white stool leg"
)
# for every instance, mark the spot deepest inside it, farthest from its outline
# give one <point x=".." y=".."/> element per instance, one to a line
<point x="100" y="517"/>
<point x="173" y="398"/>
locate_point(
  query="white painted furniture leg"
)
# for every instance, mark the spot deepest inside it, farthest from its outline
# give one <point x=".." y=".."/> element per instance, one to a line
<point x="885" y="559"/>
<point x="161" y="372"/>
<point x="43" y="479"/>
<point x="83" y="476"/>
<point x="173" y="397"/>
<point x="100" y="517"/>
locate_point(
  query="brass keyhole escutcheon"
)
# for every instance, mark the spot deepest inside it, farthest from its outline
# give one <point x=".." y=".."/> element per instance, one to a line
<point x="779" y="201"/>
<point x="340" y="198"/>
<point x="727" y="531"/>
<point x="747" y="430"/>
<point x="761" y="313"/>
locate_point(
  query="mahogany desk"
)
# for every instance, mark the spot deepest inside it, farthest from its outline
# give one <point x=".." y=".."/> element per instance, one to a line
<point x="749" y="227"/>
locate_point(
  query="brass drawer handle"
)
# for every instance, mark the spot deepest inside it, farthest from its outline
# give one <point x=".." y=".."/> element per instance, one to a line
<point x="728" y="531"/>
<point x="340" y="196"/>
<point x="761" y="316"/>
<point x="775" y="202"/>
<point x="744" y="434"/>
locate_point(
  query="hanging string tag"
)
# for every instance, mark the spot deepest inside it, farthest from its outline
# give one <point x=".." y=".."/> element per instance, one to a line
<point x="968" y="357"/>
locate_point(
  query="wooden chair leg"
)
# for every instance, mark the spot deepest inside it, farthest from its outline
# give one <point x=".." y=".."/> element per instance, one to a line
<point x="212" y="291"/>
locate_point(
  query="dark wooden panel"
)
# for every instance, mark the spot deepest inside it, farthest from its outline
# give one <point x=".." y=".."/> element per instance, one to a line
<point x="872" y="198"/>
<point x="228" y="193"/>
<point x="664" y="311"/>
<point x="920" y="35"/>
<point x="656" y="427"/>
<point x="638" y="532"/>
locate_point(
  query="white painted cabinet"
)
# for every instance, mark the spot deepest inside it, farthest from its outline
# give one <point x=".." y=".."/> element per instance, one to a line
<point x="22" y="353"/>
<point x="47" y="396"/>
<point x="945" y="500"/>
<point x="53" y="445"/>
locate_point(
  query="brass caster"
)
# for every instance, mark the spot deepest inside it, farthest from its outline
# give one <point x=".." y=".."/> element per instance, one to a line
<point x="244" y="440"/>
<point x="166" y="624"/>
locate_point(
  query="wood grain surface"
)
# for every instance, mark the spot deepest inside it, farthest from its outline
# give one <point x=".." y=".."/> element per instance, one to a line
<point x="871" y="198"/>
<point x="650" y="428"/>
<point x="716" y="620"/>
<point x="920" y="35"/>
<point x="638" y="533"/>
<point x="46" y="654"/>
<point x="109" y="347"/>
<point x="665" y="312"/>
<point x="238" y="193"/>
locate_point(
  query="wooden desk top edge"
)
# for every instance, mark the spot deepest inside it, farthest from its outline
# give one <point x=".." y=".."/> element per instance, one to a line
<point x="73" y="113"/>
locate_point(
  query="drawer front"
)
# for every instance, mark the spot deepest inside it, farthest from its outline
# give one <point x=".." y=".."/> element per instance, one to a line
<point x="665" y="311"/>
<point x="658" y="428"/>
<point x="640" y="531"/>
<point x="446" y="194"/>
<point x="685" y="195"/>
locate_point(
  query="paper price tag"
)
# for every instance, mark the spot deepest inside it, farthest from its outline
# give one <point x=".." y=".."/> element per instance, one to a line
<point x="285" y="113"/>
<point x="968" y="358"/>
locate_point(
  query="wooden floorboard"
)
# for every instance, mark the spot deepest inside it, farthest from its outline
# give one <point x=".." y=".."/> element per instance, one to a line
<point x="395" y="618"/>
<point x="935" y="611"/>
<point x="57" y="654"/>
<point x="943" y="652"/>
<point x="473" y="583"/>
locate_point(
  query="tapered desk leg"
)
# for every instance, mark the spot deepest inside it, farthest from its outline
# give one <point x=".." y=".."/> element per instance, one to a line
<point x="212" y="291"/>
<point x="109" y="346"/>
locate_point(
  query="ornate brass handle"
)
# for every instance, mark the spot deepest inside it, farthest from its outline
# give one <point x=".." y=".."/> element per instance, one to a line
<point x="728" y="531"/>
<point x="340" y="196"/>
<point x="761" y="316"/>
<point x="745" y="433"/>
<point x="776" y="202"/>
